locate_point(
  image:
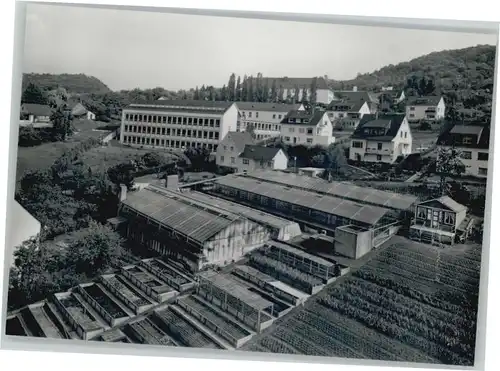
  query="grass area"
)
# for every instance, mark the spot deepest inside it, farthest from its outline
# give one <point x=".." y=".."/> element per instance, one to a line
<point x="42" y="156"/>
<point x="412" y="303"/>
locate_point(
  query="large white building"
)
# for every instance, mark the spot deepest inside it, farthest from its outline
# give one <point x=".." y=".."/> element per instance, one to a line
<point x="307" y="128"/>
<point x="472" y="141"/>
<point x="265" y="118"/>
<point x="346" y="114"/>
<point x="430" y="108"/>
<point x="177" y="124"/>
<point x="290" y="87"/>
<point x="381" y="138"/>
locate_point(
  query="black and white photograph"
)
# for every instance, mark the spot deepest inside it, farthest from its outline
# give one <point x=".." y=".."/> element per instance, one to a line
<point x="237" y="184"/>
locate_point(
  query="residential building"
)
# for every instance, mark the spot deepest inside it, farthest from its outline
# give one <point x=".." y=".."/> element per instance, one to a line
<point x="358" y="96"/>
<point x="309" y="128"/>
<point x="473" y="143"/>
<point x="78" y="110"/>
<point x="429" y="108"/>
<point x="36" y="113"/>
<point x="177" y="124"/>
<point x="346" y="114"/>
<point x="287" y="86"/>
<point x="265" y="118"/>
<point x="229" y="150"/>
<point x="262" y="158"/>
<point x="440" y="221"/>
<point x="381" y="138"/>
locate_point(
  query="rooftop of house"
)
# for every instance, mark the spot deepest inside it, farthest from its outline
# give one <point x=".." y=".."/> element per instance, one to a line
<point x="296" y="117"/>
<point x="379" y="127"/>
<point x="430" y="100"/>
<point x="293" y="82"/>
<point x="447" y="202"/>
<point x="259" y="153"/>
<point x="479" y="136"/>
<point x="267" y="107"/>
<point x="181" y="105"/>
<point x="37" y="109"/>
<point x="346" y="105"/>
<point x="357" y="96"/>
<point x="239" y="139"/>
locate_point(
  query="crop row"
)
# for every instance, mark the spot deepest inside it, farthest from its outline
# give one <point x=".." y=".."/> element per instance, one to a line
<point x="363" y="313"/>
<point x="436" y="301"/>
<point x="450" y="270"/>
<point x="275" y="346"/>
<point x="364" y="339"/>
<point x="445" y="333"/>
<point x="393" y="296"/>
<point x="303" y="346"/>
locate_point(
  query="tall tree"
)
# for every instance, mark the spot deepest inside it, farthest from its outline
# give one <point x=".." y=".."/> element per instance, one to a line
<point x="238" y="89"/>
<point x="196" y="95"/>
<point x="296" y="92"/>
<point x="244" y="89"/>
<point x="61" y="124"/>
<point x="250" y="89"/>
<point x="314" y="91"/>
<point x="274" y="92"/>
<point x="231" y="88"/>
<point x="266" y="93"/>
<point x="448" y="164"/>
<point x="33" y="94"/>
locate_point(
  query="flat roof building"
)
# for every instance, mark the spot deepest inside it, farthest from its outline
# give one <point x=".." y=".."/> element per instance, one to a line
<point x="177" y="123"/>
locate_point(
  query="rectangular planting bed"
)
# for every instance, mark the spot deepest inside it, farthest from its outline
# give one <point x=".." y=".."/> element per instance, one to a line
<point x="103" y="304"/>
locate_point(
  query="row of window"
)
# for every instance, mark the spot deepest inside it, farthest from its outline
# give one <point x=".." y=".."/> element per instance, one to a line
<point x="249" y="115"/>
<point x="296" y="140"/>
<point x="481" y="156"/>
<point x="262" y="126"/>
<point x="190" y="133"/>
<point x="168" y="143"/>
<point x="310" y="131"/>
<point x="179" y="120"/>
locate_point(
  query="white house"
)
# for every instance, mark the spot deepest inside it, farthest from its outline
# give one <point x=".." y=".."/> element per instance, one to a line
<point x="287" y="86"/>
<point x="230" y="148"/>
<point x="309" y="128"/>
<point x="78" y="110"/>
<point x="178" y="123"/>
<point x="346" y="114"/>
<point x="472" y="141"/>
<point x="358" y="96"/>
<point x="430" y="108"/>
<point x="381" y="138"/>
<point x="261" y="158"/>
<point x="265" y="118"/>
<point x="36" y="113"/>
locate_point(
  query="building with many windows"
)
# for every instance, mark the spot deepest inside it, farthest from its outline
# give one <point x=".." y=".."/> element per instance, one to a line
<point x="177" y="124"/>
<point x="381" y="138"/>
<point x="309" y="128"/>
<point x="264" y="118"/>
<point x="346" y="114"/>
<point x="430" y="108"/>
<point x="472" y="141"/>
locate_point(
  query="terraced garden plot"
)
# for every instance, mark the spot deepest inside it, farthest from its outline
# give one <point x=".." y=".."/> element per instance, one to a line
<point x="391" y="309"/>
<point x="181" y="330"/>
<point x="148" y="333"/>
<point x="125" y="290"/>
<point x="164" y="269"/>
<point x="104" y="301"/>
<point x="48" y="327"/>
<point x="226" y="325"/>
<point x="278" y="306"/>
<point x="79" y="313"/>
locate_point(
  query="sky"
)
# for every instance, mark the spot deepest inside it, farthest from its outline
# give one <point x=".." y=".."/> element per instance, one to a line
<point x="128" y="49"/>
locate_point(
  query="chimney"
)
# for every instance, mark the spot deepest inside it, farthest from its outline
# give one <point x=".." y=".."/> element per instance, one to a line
<point x="354" y="88"/>
<point x="376" y="115"/>
<point x="123" y="192"/>
<point x="172" y="181"/>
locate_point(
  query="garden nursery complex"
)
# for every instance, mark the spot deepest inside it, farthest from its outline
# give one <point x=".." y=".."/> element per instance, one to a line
<point x="303" y="216"/>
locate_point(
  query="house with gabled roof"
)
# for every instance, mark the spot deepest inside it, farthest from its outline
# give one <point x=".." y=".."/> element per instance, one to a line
<point x="308" y="128"/>
<point x="346" y="114"/>
<point x="472" y="141"/>
<point x="80" y="111"/>
<point x="255" y="157"/>
<point x="36" y="113"/>
<point x="231" y="146"/>
<point x="381" y="138"/>
<point x="428" y="108"/>
<point x="358" y="96"/>
<point x="440" y="221"/>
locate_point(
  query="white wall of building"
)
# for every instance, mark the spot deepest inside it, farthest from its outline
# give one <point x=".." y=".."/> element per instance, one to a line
<point x="176" y="135"/>
<point x="415" y="113"/>
<point x="279" y="162"/>
<point x="308" y="135"/>
<point x="227" y="154"/>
